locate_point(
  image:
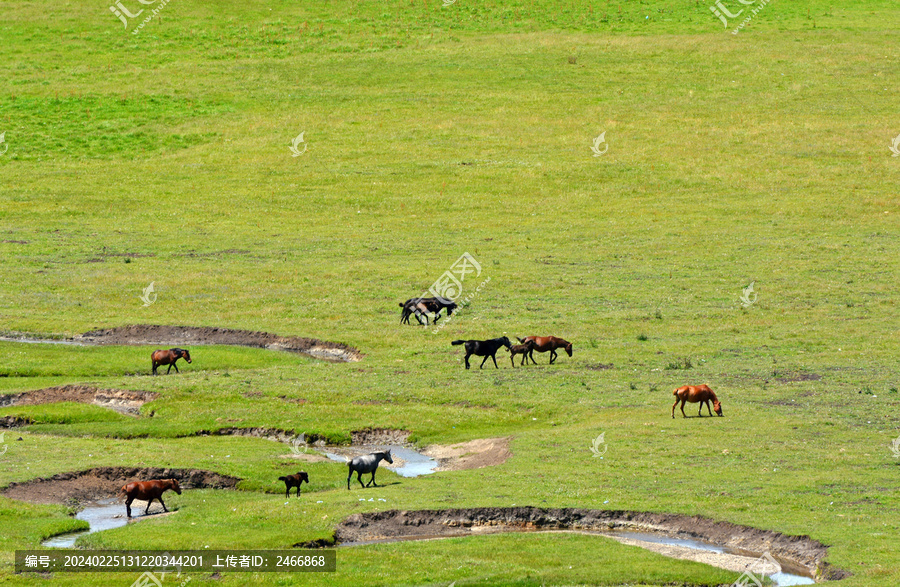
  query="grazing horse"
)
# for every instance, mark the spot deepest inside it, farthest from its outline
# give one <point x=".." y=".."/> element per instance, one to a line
<point x="694" y="394"/>
<point x="421" y="307"/>
<point x="168" y="358"/>
<point x="294" y="481"/>
<point x="367" y="464"/>
<point x="148" y="490"/>
<point x="521" y="349"/>
<point x="483" y="348"/>
<point x="542" y="344"/>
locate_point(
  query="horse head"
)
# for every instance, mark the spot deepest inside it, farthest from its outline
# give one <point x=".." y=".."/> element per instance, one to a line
<point x="450" y="307"/>
<point x="387" y="457"/>
<point x="568" y="348"/>
<point x="505" y="342"/>
<point x="184" y="354"/>
<point x="174" y="486"/>
<point x="717" y="407"/>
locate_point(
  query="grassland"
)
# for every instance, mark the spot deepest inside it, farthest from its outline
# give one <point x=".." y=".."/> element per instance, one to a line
<point x="434" y="130"/>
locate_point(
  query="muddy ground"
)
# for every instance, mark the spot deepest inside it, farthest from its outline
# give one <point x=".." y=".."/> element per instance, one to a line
<point x="796" y="551"/>
<point x="79" y="487"/>
<point x="194" y="335"/>
<point x="121" y="400"/>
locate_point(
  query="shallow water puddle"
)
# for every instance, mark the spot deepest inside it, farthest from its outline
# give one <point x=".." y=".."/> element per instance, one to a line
<point x="102" y="515"/>
<point x="411" y="463"/>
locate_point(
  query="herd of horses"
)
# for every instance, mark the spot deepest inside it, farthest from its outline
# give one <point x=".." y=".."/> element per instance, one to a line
<point x="365" y="464"/>
<point x="153" y="490"/>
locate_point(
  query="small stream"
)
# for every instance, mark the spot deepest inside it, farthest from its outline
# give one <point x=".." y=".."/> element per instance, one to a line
<point x="104" y="514"/>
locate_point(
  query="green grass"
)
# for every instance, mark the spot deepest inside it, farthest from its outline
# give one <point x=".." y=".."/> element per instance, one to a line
<point x="431" y="131"/>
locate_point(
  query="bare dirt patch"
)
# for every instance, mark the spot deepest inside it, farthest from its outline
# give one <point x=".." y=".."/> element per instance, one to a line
<point x="800" y="552"/>
<point x="475" y="454"/>
<point x="105" y="482"/>
<point x="194" y="335"/>
<point x="795" y="377"/>
<point x="120" y="400"/>
<point x="375" y="436"/>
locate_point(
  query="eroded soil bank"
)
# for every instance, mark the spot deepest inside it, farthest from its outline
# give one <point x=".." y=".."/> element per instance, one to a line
<point x="104" y="482"/>
<point x="800" y="551"/>
<point x="194" y="335"/>
<point x="120" y="400"/>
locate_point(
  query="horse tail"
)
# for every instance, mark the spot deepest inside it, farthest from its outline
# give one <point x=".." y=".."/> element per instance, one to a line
<point x="282" y="478"/>
<point x="456" y="342"/>
<point x="522" y="340"/>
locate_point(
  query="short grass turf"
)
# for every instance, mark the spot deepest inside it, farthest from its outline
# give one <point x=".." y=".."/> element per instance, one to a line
<point x="758" y="157"/>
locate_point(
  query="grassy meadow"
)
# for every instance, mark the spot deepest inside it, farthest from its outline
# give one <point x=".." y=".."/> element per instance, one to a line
<point x="432" y="130"/>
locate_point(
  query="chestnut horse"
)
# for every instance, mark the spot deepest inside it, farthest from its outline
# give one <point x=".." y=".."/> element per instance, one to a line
<point x="694" y="394"/>
<point x="168" y="358"/>
<point x="148" y="490"/>
<point x="542" y="344"/>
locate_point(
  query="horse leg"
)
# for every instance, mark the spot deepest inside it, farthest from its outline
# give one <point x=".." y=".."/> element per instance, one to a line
<point x="287" y="490"/>
<point x="673" y="407"/>
<point x="531" y="356"/>
<point x="467" y="359"/>
<point x="174" y="364"/>
<point x="350" y="476"/>
<point x="128" y="505"/>
<point x="155" y="365"/>
<point x="706" y="401"/>
<point x="165" y="509"/>
<point x="682" y="407"/>
<point x="372" y="481"/>
<point x="359" y="478"/>
<point x="485" y="359"/>
<point x="494" y="357"/>
<point x="147" y="511"/>
<point x="169" y="370"/>
<point x="552" y="356"/>
<point x="512" y="360"/>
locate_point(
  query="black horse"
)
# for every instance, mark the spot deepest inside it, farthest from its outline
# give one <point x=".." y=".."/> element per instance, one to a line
<point x="421" y="307"/>
<point x="483" y="348"/>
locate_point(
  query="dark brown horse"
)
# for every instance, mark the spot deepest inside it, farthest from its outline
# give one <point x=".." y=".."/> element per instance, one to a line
<point x="148" y="490"/>
<point x="421" y="307"/>
<point x="483" y="348"/>
<point x="294" y="481"/>
<point x="694" y="394"/>
<point x="168" y="358"/>
<point x="521" y="349"/>
<point x="542" y="344"/>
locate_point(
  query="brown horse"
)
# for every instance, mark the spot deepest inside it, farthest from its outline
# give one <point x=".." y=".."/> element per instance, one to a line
<point x="694" y="394"/>
<point x="294" y="481"/>
<point x="542" y="344"/>
<point x="521" y="349"/>
<point x="148" y="490"/>
<point x="168" y="358"/>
